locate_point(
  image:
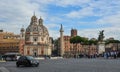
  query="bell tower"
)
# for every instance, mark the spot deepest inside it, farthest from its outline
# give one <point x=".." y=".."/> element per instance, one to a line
<point x="22" y="35"/>
<point x="22" y="41"/>
<point x="73" y="32"/>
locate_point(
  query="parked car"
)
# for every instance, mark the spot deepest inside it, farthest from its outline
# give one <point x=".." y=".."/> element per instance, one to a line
<point x="27" y="61"/>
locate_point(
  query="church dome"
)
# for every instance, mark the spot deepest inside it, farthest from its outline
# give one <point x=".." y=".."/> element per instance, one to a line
<point x="42" y="30"/>
<point x="38" y="27"/>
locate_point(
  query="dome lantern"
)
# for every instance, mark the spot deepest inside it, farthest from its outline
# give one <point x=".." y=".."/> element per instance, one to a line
<point x="40" y="21"/>
<point x="33" y="18"/>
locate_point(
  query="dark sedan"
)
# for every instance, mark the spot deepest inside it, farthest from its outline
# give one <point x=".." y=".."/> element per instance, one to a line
<point x="27" y="61"/>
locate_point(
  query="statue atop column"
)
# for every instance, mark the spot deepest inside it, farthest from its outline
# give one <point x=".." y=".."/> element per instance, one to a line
<point x="101" y="36"/>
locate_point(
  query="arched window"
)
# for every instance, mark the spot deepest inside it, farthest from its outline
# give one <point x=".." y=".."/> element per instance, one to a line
<point x="35" y="39"/>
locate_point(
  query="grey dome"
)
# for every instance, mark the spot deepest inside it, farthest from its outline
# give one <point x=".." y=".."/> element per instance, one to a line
<point x="37" y="27"/>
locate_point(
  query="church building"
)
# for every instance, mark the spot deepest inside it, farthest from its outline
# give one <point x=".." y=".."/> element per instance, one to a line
<point x="36" y="37"/>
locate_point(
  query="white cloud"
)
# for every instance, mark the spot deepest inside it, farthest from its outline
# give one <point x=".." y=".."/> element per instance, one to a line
<point x="18" y="13"/>
<point x="109" y="13"/>
<point x="94" y="33"/>
<point x="54" y="34"/>
<point x="113" y="30"/>
<point x="90" y="33"/>
<point x="112" y="19"/>
<point x="81" y="13"/>
<point x="96" y="8"/>
<point x="55" y="19"/>
<point x="65" y="3"/>
<point x="50" y="26"/>
<point x="15" y="13"/>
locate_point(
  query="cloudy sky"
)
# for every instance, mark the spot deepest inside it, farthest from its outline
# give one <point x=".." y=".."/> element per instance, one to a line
<point x="87" y="16"/>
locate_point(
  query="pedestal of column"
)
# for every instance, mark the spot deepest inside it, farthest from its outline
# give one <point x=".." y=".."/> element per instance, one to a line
<point x="101" y="47"/>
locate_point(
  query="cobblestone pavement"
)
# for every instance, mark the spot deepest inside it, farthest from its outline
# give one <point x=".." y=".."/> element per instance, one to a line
<point x="67" y="65"/>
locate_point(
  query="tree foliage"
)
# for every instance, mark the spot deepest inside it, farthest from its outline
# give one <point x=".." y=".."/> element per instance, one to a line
<point x="55" y="50"/>
<point x="82" y="40"/>
<point x="76" y="39"/>
<point x="93" y="42"/>
<point x="112" y="41"/>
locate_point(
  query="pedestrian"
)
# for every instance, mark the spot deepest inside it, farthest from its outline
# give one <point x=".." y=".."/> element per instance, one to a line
<point x="115" y="54"/>
<point x="111" y="53"/>
<point x="108" y="54"/>
<point x="105" y="55"/>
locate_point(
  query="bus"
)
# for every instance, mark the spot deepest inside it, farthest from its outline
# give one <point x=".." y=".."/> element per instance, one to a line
<point x="11" y="56"/>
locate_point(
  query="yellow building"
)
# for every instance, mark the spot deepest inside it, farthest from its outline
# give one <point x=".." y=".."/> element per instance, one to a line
<point x="9" y="42"/>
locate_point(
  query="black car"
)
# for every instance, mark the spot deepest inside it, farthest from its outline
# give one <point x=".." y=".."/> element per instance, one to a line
<point x="27" y="61"/>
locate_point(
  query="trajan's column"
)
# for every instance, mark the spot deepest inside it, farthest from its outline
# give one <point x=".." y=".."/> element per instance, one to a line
<point x="61" y="41"/>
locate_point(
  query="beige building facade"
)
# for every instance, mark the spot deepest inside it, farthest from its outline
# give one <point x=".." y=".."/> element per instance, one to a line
<point x="36" y="37"/>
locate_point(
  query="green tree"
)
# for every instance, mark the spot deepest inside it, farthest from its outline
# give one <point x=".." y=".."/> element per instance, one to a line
<point x="76" y="39"/>
<point x="79" y="39"/>
<point x="56" y="45"/>
<point x="112" y="41"/>
<point x="82" y="40"/>
<point x="90" y="42"/>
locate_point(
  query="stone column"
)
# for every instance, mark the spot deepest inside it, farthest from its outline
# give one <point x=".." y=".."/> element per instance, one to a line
<point x="61" y="41"/>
